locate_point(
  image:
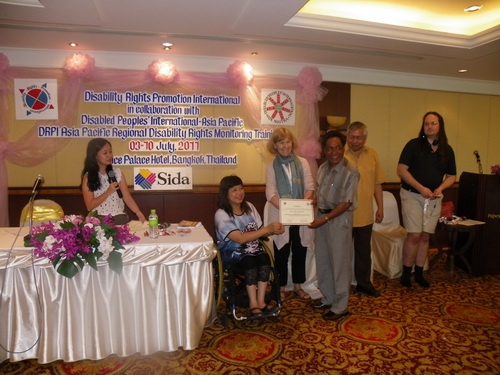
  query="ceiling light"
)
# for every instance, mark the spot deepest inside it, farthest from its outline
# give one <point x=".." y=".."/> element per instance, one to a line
<point x="73" y="44"/>
<point x="462" y="70"/>
<point x="167" y="46"/>
<point x="473" y="8"/>
<point x="254" y="53"/>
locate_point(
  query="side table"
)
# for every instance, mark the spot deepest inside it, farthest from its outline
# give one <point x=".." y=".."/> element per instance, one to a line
<point x="466" y="226"/>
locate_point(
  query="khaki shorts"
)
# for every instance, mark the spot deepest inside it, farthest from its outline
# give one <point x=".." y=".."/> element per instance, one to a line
<point x="412" y="209"/>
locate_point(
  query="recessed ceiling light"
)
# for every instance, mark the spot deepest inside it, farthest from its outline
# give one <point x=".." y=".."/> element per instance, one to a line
<point x="73" y="44"/>
<point x="473" y="8"/>
<point x="462" y="70"/>
<point x="254" y="53"/>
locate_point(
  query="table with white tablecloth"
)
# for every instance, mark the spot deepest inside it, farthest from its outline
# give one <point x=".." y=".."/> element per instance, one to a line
<point x="161" y="301"/>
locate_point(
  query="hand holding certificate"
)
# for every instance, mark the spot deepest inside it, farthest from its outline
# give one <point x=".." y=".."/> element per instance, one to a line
<point x="296" y="211"/>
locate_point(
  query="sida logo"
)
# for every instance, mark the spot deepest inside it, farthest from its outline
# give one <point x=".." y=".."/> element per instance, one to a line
<point x="145" y="179"/>
<point x="163" y="178"/>
<point x="278" y="107"/>
<point x="36" y="99"/>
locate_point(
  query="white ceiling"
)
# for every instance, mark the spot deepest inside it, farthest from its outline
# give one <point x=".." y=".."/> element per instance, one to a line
<point x="321" y="34"/>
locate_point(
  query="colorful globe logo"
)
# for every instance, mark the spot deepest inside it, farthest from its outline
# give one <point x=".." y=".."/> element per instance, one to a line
<point x="36" y="99"/>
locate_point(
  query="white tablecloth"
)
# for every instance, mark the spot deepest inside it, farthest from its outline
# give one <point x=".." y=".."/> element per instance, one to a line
<point x="161" y="301"/>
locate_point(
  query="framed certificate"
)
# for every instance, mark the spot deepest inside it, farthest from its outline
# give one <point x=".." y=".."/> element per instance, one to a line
<point x="296" y="211"/>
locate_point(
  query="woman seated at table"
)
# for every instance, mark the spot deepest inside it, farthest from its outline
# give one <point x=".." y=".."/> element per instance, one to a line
<point x="238" y="228"/>
<point x="104" y="188"/>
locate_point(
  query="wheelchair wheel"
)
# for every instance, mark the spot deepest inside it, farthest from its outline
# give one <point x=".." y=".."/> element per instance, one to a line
<point x="218" y="277"/>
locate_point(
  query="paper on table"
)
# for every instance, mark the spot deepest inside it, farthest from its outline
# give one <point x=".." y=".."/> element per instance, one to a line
<point x="470" y="222"/>
<point x="188" y="224"/>
<point x="137" y="226"/>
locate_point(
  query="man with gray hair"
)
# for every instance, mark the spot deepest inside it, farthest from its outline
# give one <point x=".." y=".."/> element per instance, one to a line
<point x="367" y="162"/>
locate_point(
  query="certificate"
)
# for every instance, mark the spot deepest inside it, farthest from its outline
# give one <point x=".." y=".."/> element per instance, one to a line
<point x="296" y="211"/>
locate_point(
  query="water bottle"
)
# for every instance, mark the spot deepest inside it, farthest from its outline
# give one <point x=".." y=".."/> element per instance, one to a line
<point x="153" y="224"/>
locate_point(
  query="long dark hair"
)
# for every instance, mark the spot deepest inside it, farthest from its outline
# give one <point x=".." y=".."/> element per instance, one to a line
<point x="90" y="165"/>
<point x="442" y="138"/>
<point x="227" y="183"/>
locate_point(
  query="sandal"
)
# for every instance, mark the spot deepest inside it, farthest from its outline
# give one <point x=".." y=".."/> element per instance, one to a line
<point x="255" y="312"/>
<point x="302" y="294"/>
<point x="269" y="310"/>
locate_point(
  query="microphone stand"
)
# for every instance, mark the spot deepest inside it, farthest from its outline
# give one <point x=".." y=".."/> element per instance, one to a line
<point x="31" y="204"/>
<point x="479" y="164"/>
<point x="478" y="160"/>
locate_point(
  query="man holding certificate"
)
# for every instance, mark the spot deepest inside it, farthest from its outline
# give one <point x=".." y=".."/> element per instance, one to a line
<point x="290" y="189"/>
<point x="336" y="200"/>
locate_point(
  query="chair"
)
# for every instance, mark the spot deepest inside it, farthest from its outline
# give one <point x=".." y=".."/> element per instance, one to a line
<point x="388" y="238"/>
<point x="44" y="210"/>
<point x="230" y="286"/>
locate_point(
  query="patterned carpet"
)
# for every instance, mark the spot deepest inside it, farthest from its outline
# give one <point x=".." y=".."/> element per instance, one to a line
<point x="450" y="328"/>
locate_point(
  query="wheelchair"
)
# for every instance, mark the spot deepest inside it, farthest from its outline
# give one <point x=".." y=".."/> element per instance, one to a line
<point x="230" y="291"/>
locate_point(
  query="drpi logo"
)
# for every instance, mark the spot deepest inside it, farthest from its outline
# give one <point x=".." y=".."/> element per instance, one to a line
<point x="36" y="99"/>
<point x="278" y="107"/>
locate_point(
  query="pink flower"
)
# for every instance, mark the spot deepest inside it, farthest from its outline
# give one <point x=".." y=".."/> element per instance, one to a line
<point x="310" y="79"/>
<point x="240" y="73"/>
<point x="162" y="71"/>
<point x="495" y="169"/>
<point x="79" y="66"/>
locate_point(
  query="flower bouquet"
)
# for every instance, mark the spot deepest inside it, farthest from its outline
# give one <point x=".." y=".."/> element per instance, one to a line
<point x="76" y="240"/>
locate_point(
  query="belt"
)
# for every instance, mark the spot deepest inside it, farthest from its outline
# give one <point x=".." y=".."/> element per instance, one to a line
<point x="325" y="210"/>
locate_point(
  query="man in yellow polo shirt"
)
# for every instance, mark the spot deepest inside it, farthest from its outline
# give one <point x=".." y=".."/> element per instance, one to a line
<point x="367" y="162"/>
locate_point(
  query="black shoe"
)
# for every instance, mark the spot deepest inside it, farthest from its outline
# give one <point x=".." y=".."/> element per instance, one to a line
<point x="405" y="281"/>
<point x="331" y="316"/>
<point x="406" y="276"/>
<point x="422" y="282"/>
<point x="320" y="306"/>
<point x="269" y="310"/>
<point x="372" y="292"/>
<point x="255" y="313"/>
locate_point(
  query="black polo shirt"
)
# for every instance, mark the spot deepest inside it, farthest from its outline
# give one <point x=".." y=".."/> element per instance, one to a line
<point x="425" y="165"/>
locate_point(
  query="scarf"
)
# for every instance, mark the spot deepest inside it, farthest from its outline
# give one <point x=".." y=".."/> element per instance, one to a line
<point x="296" y="190"/>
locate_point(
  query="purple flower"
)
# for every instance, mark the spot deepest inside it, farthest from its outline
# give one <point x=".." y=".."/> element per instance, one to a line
<point x="76" y="239"/>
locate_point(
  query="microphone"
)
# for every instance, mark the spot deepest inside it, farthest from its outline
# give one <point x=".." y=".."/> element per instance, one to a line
<point x="112" y="178"/>
<point x="36" y="185"/>
<point x="478" y="160"/>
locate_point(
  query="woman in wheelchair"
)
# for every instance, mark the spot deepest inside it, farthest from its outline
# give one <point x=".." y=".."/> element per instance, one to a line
<point x="238" y="227"/>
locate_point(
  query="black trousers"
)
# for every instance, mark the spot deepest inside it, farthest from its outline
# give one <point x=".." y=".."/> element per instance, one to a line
<point x="299" y="253"/>
<point x="362" y="255"/>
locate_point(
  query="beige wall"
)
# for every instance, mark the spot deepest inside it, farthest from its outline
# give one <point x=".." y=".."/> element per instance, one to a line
<point x="394" y="116"/>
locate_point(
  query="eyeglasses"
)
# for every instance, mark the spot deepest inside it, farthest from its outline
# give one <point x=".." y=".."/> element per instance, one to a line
<point x="431" y="123"/>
